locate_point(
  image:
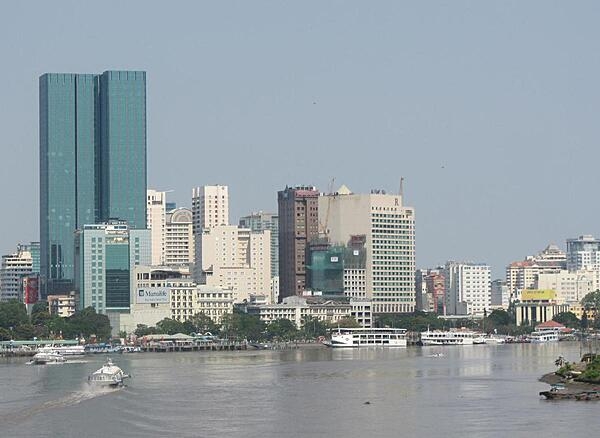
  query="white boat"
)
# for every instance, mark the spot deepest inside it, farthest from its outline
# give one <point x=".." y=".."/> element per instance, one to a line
<point x="108" y="375"/>
<point x="367" y="337"/>
<point x="44" y="358"/>
<point x="63" y="350"/>
<point x="542" y="336"/>
<point x="495" y="340"/>
<point x="439" y="337"/>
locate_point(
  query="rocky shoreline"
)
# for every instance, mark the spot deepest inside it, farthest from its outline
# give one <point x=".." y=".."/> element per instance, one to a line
<point x="569" y="389"/>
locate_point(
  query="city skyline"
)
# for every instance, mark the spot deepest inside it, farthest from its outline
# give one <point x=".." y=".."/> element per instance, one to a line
<point x="494" y="135"/>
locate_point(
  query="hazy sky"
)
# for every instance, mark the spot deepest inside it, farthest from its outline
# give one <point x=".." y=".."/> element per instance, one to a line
<point x="488" y="109"/>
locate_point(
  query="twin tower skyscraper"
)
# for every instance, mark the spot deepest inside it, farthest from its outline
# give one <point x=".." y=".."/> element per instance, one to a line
<point x="92" y="162"/>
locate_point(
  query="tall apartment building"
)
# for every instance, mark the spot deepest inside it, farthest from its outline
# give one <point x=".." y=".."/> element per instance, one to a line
<point x="92" y="162"/>
<point x="210" y="208"/>
<point x="156" y="223"/>
<point x="14" y="267"/>
<point x="238" y="259"/>
<point x="468" y="288"/>
<point x="266" y="221"/>
<point x="524" y="274"/>
<point x="500" y="294"/>
<point x="583" y="253"/>
<point x="179" y="238"/>
<point x="389" y="230"/>
<point x="105" y="255"/>
<point x="298" y="226"/>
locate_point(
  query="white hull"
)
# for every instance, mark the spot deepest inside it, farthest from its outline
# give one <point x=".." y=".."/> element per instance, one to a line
<point x="448" y="338"/>
<point x="360" y="338"/>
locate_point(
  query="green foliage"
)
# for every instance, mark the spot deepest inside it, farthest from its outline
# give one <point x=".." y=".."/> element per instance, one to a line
<point x="201" y="323"/>
<point x="170" y="326"/>
<point x="282" y="329"/>
<point x="243" y="326"/>
<point x="347" y="322"/>
<point x="500" y="317"/>
<point x="592" y="372"/>
<point x="568" y="319"/>
<point x="12" y="314"/>
<point x="143" y="330"/>
<point x="312" y="328"/>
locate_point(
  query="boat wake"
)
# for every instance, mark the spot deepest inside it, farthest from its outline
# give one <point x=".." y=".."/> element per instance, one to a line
<point x="86" y="392"/>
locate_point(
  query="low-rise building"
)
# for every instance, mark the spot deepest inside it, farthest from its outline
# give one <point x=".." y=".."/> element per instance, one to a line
<point x="538" y="306"/>
<point x="297" y="309"/>
<point x="61" y="305"/>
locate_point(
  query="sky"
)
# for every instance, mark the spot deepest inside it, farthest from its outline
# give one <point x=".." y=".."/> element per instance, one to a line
<point x="489" y="110"/>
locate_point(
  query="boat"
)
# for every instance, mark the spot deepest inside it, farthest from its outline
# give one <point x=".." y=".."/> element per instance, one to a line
<point x="367" y="337"/>
<point x="495" y="340"/>
<point x="108" y="375"/>
<point x="44" y="358"/>
<point x="439" y="337"/>
<point x="543" y="336"/>
<point x="63" y="350"/>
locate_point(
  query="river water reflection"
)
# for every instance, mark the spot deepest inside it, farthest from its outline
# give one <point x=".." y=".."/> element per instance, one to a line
<point x="469" y="391"/>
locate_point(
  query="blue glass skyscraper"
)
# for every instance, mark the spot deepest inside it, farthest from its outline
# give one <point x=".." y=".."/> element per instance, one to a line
<point x="92" y="162"/>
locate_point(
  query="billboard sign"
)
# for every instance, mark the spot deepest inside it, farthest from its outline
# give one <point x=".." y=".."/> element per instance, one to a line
<point x="31" y="290"/>
<point x="152" y="295"/>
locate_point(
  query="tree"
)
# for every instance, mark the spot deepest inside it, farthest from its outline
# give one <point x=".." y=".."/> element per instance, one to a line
<point x="500" y="317"/>
<point x="282" y="329"/>
<point x="568" y="319"/>
<point x="312" y="327"/>
<point x="347" y="322"/>
<point x="202" y="323"/>
<point x="12" y="314"/>
<point x="170" y="326"/>
<point x="86" y="323"/>
<point x="143" y="330"/>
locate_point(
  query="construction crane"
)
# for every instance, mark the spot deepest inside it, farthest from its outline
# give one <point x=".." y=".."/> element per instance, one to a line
<point x="324" y="230"/>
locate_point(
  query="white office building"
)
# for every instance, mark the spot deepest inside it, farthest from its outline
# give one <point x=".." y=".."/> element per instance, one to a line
<point x="210" y="208"/>
<point x="15" y="266"/>
<point x="389" y="229"/>
<point x="179" y="238"/>
<point x="156" y="222"/>
<point x="468" y="288"/>
<point x="583" y="254"/>
<point x="238" y="259"/>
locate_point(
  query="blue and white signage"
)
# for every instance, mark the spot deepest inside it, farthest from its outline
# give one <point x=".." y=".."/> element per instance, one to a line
<point x="151" y="295"/>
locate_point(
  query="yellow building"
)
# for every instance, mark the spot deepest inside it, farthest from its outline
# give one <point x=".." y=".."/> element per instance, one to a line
<point x="538" y="306"/>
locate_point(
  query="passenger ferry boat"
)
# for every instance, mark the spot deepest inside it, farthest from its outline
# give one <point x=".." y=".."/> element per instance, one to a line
<point x="44" y="358"/>
<point x="367" y="337"/>
<point x="438" y="337"/>
<point x="542" y="336"/>
<point x="108" y="375"/>
<point x="63" y="350"/>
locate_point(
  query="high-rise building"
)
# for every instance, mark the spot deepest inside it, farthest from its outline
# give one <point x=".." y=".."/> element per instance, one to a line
<point x="298" y="226"/>
<point x="210" y="208"/>
<point x="524" y="274"/>
<point x="156" y="223"/>
<point x="14" y="267"/>
<point x="266" y="221"/>
<point x="179" y="238"/>
<point x="500" y="295"/>
<point x="92" y="161"/>
<point x="105" y="255"/>
<point x="468" y="288"/>
<point x="389" y="230"/>
<point x="583" y="253"/>
<point x="430" y="282"/>
<point x="238" y="259"/>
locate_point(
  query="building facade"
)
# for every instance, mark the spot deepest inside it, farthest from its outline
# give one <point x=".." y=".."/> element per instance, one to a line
<point x="105" y="256"/>
<point x="14" y="268"/>
<point x="298" y="226"/>
<point x="265" y="221"/>
<point x="389" y="230"/>
<point x="210" y="207"/>
<point x="468" y="288"/>
<point x="156" y="223"/>
<point x="179" y="238"/>
<point x="238" y="259"/>
<point x="583" y="253"/>
<point x="92" y="147"/>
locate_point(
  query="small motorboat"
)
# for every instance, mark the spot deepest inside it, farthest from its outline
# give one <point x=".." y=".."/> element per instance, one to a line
<point x="43" y="358"/>
<point x="108" y="375"/>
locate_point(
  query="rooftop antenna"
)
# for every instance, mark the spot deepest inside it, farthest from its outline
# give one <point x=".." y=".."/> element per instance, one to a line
<point x="401" y="191"/>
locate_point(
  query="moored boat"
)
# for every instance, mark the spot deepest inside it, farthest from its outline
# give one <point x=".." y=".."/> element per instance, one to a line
<point x="367" y="337"/>
<point x="63" y="350"/>
<point x="439" y="337"/>
<point x="108" y="375"/>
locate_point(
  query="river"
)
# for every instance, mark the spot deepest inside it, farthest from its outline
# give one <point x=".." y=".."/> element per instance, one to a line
<point x="470" y="391"/>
